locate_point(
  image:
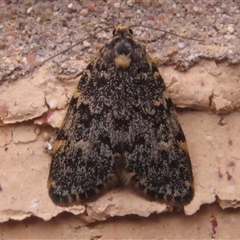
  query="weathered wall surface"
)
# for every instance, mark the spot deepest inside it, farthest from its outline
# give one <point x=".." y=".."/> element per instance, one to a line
<point x="33" y="103"/>
<point x="30" y="108"/>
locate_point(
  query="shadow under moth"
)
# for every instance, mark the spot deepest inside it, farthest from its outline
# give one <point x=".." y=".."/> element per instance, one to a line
<point x="121" y="128"/>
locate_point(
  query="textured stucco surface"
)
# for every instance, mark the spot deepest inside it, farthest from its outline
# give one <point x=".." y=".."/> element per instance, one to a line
<point x="210" y="222"/>
<point x="27" y="123"/>
<point x="32" y="105"/>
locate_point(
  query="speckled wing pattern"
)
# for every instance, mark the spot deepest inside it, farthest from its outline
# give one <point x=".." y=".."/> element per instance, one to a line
<point x="121" y="127"/>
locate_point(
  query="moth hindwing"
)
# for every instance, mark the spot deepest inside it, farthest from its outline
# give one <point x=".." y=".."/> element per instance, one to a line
<point x="121" y="127"/>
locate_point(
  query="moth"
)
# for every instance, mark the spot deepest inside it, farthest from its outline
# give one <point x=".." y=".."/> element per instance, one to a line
<point x="121" y="128"/>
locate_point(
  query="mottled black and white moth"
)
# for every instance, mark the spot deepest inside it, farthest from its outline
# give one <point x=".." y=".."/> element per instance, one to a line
<point x="121" y="127"/>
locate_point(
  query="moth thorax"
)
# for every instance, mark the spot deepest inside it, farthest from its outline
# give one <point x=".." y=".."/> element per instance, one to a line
<point x="122" y="61"/>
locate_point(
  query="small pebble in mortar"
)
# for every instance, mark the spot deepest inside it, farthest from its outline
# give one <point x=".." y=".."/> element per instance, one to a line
<point x="53" y="104"/>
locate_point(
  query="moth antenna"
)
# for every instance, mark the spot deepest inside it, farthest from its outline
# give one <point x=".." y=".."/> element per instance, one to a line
<point x="74" y="45"/>
<point x="160" y="30"/>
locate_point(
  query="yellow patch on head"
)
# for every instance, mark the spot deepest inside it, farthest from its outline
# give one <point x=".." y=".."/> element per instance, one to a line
<point x="122" y="61"/>
<point x="122" y="27"/>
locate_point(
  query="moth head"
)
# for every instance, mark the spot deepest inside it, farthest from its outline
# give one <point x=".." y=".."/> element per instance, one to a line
<point x="122" y="31"/>
<point x="122" y="46"/>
